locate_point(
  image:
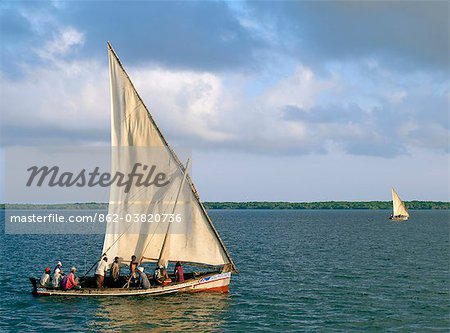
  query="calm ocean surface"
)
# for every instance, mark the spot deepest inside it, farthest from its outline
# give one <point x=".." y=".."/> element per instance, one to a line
<point x="325" y="271"/>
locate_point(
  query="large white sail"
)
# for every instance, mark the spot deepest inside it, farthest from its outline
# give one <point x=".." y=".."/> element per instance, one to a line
<point x="194" y="238"/>
<point x="398" y="206"/>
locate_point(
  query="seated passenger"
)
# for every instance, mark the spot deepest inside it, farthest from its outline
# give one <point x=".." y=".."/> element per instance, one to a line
<point x="144" y="283"/>
<point x="165" y="277"/>
<point x="46" y="280"/>
<point x="57" y="275"/>
<point x="69" y="281"/>
<point x="161" y="276"/>
<point x="179" y="273"/>
<point x="157" y="274"/>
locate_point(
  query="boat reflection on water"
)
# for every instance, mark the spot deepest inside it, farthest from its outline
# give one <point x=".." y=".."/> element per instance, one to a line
<point x="202" y="311"/>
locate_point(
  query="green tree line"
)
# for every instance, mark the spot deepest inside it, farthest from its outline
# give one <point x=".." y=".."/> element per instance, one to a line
<point x="264" y="205"/>
<point x="325" y="205"/>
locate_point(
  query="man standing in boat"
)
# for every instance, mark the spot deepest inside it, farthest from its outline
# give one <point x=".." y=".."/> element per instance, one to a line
<point x="115" y="271"/>
<point x="133" y="266"/>
<point x="100" y="272"/>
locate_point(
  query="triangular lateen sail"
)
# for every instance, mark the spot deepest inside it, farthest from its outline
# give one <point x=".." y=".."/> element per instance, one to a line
<point x="194" y="239"/>
<point x="399" y="208"/>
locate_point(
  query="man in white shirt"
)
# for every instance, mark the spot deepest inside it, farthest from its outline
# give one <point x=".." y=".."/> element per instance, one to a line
<point x="100" y="272"/>
<point x="57" y="274"/>
<point x="46" y="281"/>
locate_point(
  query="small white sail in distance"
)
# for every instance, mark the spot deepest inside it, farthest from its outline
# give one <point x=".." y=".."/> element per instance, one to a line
<point x="399" y="208"/>
<point x="196" y="240"/>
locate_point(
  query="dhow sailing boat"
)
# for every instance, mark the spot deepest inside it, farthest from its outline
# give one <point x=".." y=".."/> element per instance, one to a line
<point x="193" y="241"/>
<point x="400" y="213"/>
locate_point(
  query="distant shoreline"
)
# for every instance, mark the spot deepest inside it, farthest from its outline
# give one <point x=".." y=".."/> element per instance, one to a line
<point x="275" y="205"/>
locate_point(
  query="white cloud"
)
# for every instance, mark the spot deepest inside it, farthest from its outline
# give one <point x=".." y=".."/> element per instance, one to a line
<point x="186" y="102"/>
<point x="299" y="89"/>
<point x="65" y="40"/>
<point x="55" y="97"/>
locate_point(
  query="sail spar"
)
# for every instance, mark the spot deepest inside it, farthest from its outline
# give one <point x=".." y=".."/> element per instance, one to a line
<point x="135" y="137"/>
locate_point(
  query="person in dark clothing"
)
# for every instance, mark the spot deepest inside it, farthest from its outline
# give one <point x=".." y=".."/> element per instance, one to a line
<point x="179" y="273"/>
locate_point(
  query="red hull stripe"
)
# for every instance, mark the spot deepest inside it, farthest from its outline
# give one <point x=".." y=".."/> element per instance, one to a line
<point x="222" y="289"/>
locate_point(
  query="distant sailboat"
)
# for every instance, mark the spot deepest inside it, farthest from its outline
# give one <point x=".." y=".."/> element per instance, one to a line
<point x="400" y="213"/>
<point x="194" y="242"/>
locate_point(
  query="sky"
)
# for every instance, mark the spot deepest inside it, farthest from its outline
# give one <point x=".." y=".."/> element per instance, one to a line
<point x="279" y="101"/>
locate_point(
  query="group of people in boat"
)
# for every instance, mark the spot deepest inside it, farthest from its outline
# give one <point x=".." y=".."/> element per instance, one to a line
<point x="59" y="278"/>
<point x="138" y="278"/>
<point x="396" y="216"/>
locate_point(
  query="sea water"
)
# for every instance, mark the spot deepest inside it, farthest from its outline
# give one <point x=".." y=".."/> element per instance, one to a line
<point x="299" y="270"/>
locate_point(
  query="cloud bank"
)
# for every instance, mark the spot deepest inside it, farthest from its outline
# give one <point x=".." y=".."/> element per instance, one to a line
<point x="289" y="78"/>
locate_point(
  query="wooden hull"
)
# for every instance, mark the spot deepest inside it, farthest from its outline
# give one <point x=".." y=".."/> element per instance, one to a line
<point x="216" y="282"/>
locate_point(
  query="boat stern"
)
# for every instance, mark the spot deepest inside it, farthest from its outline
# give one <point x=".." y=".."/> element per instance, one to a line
<point x="214" y="283"/>
<point x="34" y="284"/>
